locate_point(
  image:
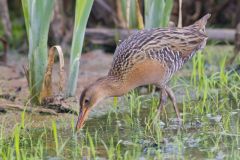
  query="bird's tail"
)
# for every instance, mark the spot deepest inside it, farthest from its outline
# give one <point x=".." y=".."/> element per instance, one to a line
<point x="201" y="23"/>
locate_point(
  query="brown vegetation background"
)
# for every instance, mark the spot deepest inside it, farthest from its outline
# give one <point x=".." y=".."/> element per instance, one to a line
<point x="104" y="14"/>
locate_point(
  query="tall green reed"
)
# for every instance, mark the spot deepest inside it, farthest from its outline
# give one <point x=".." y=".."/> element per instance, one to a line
<point x="129" y="6"/>
<point x="157" y="13"/>
<point x="37" y="16"/>
<point x="82" y="11"/>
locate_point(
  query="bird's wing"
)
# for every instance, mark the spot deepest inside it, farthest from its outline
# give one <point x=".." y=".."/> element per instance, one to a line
<point x="184" y="41"/>
<point x="127" y="54"/>
<point x="179" y="42"/>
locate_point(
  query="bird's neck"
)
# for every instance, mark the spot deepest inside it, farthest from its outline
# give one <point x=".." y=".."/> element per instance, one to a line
<point x="108" y="86"/>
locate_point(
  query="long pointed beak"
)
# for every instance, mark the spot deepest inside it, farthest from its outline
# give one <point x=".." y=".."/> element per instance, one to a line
<point x="83" y="114"/>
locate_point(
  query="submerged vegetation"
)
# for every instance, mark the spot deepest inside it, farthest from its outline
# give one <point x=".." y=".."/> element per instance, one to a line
<point x="209" y="98"/>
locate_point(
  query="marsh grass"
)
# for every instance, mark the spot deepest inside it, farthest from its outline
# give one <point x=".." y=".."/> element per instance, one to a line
<point x="210" y="110"/>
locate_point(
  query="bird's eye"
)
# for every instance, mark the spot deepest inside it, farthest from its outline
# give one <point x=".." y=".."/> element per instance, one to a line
<point x="86" y="101"/>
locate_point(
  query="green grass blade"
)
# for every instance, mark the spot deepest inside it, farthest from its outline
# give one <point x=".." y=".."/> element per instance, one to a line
<point x="17" y="142"/>
<point x="55" y="136"/>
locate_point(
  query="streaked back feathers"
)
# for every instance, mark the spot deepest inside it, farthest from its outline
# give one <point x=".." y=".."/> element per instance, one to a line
<point x="170" y="46"/>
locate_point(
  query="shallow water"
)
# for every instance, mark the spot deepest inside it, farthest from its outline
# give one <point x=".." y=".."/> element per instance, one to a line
<point x="129" y="130"/>
<point x="196" y="138"/>
<point x="199" y="137"/>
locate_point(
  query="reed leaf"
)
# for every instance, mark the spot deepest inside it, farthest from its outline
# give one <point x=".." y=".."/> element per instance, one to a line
<point x="83" y="8"/>
<point x="167" y="13"/>
<point x="157" y="13"/>
<point x="37" y="16"/>
<point x="139" y="15"/>
<point x="26" y="10"/>
<point x="130" y="13"/>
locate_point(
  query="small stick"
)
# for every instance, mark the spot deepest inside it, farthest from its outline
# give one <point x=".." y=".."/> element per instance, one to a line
<point x="180" y="14"/>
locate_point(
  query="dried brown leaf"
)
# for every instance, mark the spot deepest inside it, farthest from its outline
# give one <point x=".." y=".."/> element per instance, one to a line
<point x="47" y="81"/>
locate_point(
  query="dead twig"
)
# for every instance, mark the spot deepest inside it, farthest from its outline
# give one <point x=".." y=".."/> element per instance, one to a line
<point x="180" y="14"/>
<point x="128" y="13"/>
<point x="28" y="109"/>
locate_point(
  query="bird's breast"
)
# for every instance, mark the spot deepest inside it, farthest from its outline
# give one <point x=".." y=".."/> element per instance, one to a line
<point x="146" y="72"/>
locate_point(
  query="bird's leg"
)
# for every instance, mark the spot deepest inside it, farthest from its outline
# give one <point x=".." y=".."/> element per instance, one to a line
<point x="173" y="99"/>
<point x="162" y="100"/>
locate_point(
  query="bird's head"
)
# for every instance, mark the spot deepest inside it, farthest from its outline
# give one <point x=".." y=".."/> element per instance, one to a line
<point x="92" y="95"/>
<point x="88" y="100"/>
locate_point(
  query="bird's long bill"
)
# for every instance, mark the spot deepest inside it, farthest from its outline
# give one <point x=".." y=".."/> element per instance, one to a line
<point x="83" y="114"/>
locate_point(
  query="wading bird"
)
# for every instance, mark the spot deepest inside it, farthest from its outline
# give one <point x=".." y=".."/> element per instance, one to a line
<point x="149" y="56"/>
